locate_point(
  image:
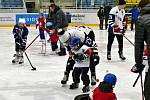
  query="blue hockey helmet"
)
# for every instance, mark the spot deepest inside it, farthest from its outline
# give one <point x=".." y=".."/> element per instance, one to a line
<point x="110" y="78"/>
<point x="49" y="25"/>
<point x="74" y="41"/>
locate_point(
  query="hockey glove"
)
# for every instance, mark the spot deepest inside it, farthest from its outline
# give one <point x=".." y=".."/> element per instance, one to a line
<point x="137" y="68"/>
<point x="79" y="57"/>
<point x="116" y="28"/>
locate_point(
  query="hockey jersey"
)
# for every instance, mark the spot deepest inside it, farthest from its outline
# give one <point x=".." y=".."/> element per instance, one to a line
<point x="85" y="50"/>
<point x="99" y="95"/>
<point x="116" y="20"/>
<point x="20" y="35"/>
<point x="85" y="34"/>
<point x="41" y="22"/>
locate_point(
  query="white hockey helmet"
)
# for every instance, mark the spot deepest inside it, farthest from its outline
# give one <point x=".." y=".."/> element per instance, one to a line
<point x="22" y="21"/>
<point x="65" y="37"/>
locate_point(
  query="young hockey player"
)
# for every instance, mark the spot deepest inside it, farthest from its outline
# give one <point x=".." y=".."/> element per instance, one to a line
<point x="105" y="89"/>
<point x="81" y="54"/>
<point x="53" y="36"/>
<point x="87" y="38"/>
<point x="20" y="33"/>
<point x="116" y="28"/>
<point x="41" y="24"/>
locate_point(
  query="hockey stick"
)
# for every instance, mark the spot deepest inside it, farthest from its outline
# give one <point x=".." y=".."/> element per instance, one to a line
<point x="128" y="39"/>
<point x="136" y="79"/>
<point x="33" y="68"/>
<point x="32" y="41"/>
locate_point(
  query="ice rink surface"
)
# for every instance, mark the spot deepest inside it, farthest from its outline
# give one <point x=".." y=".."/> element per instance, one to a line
<point x="18" y="82"/>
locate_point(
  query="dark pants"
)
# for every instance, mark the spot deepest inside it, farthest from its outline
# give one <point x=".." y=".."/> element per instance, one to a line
<point x="106" y="23"/>
<point x="101" y="24"/>
<point x="54" y="46"/>
<point x="19" y="46"/>
<point x="83" y="71"/>
<point x="147" y="85"/>
<point x="132" y="23"/>
<point x="42" y="35"/>
<point x="69" y="66"/>
<point x="111" y="37"/>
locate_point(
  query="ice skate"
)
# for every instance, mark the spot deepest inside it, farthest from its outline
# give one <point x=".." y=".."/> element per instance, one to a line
<point x="74" y="85"/>
<point x="121" y="56"/>
<point x="16" y="60"/>
<point x="108" y="55"/>
<point x="65" y="79"/>
<point x="21" y="60"/>
<point x="86" y="89"/>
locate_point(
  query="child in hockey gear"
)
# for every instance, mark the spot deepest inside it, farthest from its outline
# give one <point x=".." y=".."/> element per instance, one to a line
<point x="117" y="27"/>
<point x="53" y="35"/>
<point x="20" y="33"/>
<point x="87" y="37"/>
<point x="105" y="89"/>
<point x="82" y="55"/>
<point x="41" y="24"/>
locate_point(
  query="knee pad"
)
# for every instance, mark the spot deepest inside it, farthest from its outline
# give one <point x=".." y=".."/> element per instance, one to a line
<point x="95" y="59"/>
<point x="70" y="64"/>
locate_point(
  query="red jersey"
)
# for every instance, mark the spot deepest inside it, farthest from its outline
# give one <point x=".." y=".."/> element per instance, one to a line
<point x="41" y="22"/>
<point x="54" y="37"/>
<point x="99" y="95"/>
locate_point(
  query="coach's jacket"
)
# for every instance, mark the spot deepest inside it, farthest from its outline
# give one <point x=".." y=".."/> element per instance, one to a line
<point x="142" y="33"/>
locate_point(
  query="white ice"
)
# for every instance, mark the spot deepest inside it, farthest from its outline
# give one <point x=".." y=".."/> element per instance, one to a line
<point x="18" y="82"/>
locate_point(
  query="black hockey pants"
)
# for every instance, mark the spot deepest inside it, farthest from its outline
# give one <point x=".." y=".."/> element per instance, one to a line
<point x="83" y="71"/>
<point x="71" y="62"/>
<point x="111" y="37"/>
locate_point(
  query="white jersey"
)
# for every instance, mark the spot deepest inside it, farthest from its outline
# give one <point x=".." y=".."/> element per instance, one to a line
<point x="84" y="63"/>
<point x="81" y="32"/>
<point x="119" y="17"/>
<point x="76" y="32"/>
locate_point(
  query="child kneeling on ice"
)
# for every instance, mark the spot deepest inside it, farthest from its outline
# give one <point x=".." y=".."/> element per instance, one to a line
<point x="104" y="91"/>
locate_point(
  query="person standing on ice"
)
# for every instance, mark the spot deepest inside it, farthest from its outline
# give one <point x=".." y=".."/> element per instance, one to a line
<point x="41" y="24"/>
<point x="116" y="28"/>
<point x="20" y="33"/>
<point x="60" y="21"/>
<point x="87" y="37"/>
<point x="142" y="34"/>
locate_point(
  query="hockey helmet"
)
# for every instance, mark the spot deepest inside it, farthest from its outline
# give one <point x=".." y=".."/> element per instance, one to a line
<point x="61" y="32"/>
<point x="64" y="38"/>
<point x="74" y="41"/>
<point x="110" y="78"/>
<point x="22" y="21"/>
<point x="49" y="25"/>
